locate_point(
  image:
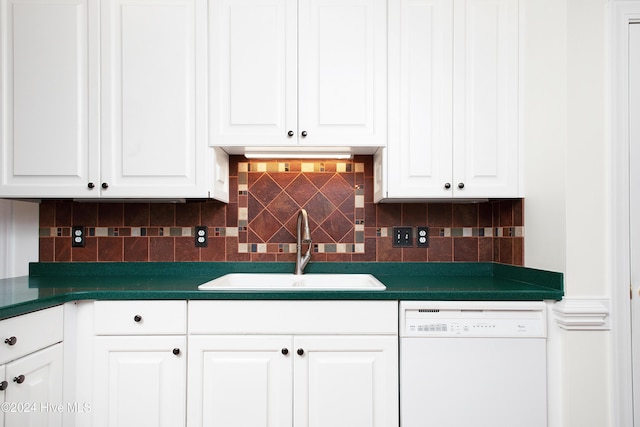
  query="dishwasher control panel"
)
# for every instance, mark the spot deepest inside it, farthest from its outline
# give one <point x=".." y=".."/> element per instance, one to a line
<point x="473" y="321"/>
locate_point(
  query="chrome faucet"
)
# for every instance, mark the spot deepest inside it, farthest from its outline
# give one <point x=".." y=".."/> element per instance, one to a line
<point x="303" y="236"/>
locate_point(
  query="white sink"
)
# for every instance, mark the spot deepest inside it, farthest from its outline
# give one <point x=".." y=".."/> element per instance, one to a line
<point x="275" y="281"/>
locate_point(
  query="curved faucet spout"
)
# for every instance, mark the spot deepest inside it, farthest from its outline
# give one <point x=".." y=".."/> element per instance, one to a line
<point x="303" y="235"/>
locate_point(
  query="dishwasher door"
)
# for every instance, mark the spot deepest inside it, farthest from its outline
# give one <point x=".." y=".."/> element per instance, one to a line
<point x="472" y="365"/>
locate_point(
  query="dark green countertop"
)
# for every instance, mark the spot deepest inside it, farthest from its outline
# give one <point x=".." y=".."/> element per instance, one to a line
<point x="50" y="284"/>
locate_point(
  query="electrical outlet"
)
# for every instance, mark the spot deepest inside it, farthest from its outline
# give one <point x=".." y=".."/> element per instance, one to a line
<point x="423" y="237"/>
<point x="77" y="236"/>
<point x="201" y="237"/>
<point x="402" y="237"/>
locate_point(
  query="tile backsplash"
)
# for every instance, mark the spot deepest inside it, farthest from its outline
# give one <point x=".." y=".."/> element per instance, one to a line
<point x="258" y="224"/>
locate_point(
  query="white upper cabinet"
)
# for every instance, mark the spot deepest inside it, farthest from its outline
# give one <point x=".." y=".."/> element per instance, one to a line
<point x="298" y="73"/>
<point x="454" y="104"/>
<point x="105" y="99"/>
<point x="45" y="141"/>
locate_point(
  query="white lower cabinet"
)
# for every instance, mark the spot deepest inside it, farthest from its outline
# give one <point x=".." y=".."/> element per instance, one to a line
<point x="31" y="361"/>
<point x="139" y="381"/>
<point x="276" y="375"/>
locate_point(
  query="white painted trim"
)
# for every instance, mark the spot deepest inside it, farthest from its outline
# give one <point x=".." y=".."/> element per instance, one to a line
<point x="621" y="12"/>
<point x="580" y="314"/>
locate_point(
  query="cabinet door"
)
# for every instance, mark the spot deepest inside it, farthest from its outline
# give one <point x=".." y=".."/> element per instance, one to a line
<point x="342" y="72"/>
<point x="36" y="380"/>
<point x="485" y="98"/>
<point x="419" y="153"/>
<point x="139" y="381"/>
<point x="239" y="381"/>
<point x="253" y="72"/>
<point x="48" y="143"/>
<point x="153" y="98"/>
<point x="346" y="381"/>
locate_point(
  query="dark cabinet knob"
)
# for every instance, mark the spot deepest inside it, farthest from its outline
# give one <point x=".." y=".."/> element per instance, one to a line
<point x="176" y="351"/>
<point x="461" y="185"/>
<point x="19" y="379"/>
<point x="285" y="351"/>
<point x="105" y="185"/>
<point x="447" y="185"/>
<point x="11" y="340"/>
<point x="91" y="185"/>
<point x="137" y="318"/>
<point x="304" y="134"/>
<point x="4" y="385"/>
<point x="300" y="352"/>
<point x="290" y="133"/>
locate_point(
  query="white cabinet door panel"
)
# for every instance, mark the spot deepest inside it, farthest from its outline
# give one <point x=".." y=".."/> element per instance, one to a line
<point x="239" y="381"/>
<point x="342" y="72"/>
<point x="152" y="130"/>
<point x="253" y="91"/>
<point x="44" y="83"/>
<point x="486" y="98"/>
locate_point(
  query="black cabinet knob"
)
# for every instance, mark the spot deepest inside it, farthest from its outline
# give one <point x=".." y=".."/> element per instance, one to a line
<point x="4" y="385"/>
<point x="11" y="340"/>
<point x="176" y="351"/>
<point x="19" y="379"/>
<point x="91" y="185"/>
<point x="304" y="134"/>
<point x="285" y="351"/>
<point x="290" y="133"/>
<point x="137" y="318"/>
<point x="461" y="185"/>
<point x="300" y="352"/>
<point x="105" y="185"/>
<point x="447" y="185"/>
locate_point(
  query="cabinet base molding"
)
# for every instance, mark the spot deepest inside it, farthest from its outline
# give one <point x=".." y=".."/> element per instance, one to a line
<point x="586" y="314"/>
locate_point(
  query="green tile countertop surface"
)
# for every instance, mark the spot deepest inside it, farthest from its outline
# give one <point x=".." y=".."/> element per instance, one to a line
<point x="50" y="284"/>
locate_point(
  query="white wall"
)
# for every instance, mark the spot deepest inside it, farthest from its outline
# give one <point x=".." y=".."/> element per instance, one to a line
<point x="566" y="189"/>
<point x="18" y="237"/>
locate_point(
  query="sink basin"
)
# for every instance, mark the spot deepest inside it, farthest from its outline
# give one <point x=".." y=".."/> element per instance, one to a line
<point x="276" y="281"/>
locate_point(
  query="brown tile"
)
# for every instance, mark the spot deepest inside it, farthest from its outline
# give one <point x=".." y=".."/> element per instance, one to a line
<point x="388" y="214"/>
<point x="62" y="249"/>
<point x="232" y="250"/>
<point x="369" y="254"/>
<point x="283" y="179"/>
<point x="88" y="253"/>
<point x="301" y="190"/>
<point x="110" y="214"/>
<point x="185" y="249"/>
<point x="348" y="209"/>
<point x="264" y="189"/>
<point x="440" y="214"/>
<point x="232" y="215"/>
<point x="465" y="215"/>
<point x="264" y="225"/>
<point x="161" y="249"/>
<point x="215" y="250"/>
<point x="368" y="190"/>
<point x="263" y="257"/>
<point x="336" y="226"/>
<point x="47" y="214"/>
<point x="506" y="250"/>
<point x="415" y="254"/>
<point x="370" y="210"/>
<point x="414" y="214"/>
<point x="368" y="164"/>
<point x="337" y="190"/>
<point x="518" y="212"/>
<point x="319" y="235"/>
<point x="283" y="207"/>
<point x="288" y="257"/>
<point x="348" y="237"/>
<point x="319" y="179"/>
<point x="136" y="249"/>
<point x="136" y="214"/>
<point x="282" y="236"/>
<point x="213" y="214"/>
<point x="465" y="249"/>
<point x="518" y="251"/>
<point x="335" y="257"/>
<point x="85" y="214"/>
<point x="319" y="208"/>
<point x="187" y="214"/>
<point x="386" y="252"/>
<point x="63" y="214"/>
<point x="440" y="249"/>
<point x="110" y="249"/>
<point x="162" y="214"/>
<point x="233" y="164"/>
<point x="46" y="249"/>
<point x="506" y="213"/>
<point x="485" y="214"/>
<point x="485" y="249"/>
<point x="233" y="190"/>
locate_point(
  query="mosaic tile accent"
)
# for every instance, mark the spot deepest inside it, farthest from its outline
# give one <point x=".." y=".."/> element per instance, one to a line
<point x="258" y="224"/>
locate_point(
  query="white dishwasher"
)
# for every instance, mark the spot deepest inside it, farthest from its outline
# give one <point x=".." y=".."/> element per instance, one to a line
<point x="473" y="364"/>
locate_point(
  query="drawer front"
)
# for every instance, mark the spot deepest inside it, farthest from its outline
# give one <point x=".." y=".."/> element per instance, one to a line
<point x="293" y="317"/>
<point x="30" y="332"/>
<point x="140" y="317"/>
